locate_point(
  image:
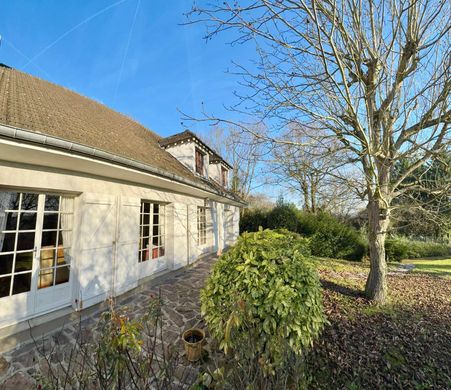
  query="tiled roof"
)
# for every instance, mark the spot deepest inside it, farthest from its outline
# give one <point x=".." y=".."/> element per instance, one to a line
<point x="33" y="104"/>
<point x="189" y="135"/>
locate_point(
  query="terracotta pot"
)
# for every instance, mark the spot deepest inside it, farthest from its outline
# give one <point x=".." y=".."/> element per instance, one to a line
<point x="193" y="340"/>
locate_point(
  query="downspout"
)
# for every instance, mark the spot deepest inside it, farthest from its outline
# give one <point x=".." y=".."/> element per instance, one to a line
<point x="188" y="233"/>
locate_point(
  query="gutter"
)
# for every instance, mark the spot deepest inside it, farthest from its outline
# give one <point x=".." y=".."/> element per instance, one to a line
<point x="72" y="147"/>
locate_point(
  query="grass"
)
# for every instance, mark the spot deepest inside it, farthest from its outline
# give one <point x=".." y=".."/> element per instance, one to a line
<point x="438" y="267"/>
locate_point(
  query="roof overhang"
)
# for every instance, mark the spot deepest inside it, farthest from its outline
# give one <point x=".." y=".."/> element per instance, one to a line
<point x="46" y="151"/>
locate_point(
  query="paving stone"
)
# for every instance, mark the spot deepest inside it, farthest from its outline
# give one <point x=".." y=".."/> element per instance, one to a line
<point x="4" y="366"/>
<point x="181" y="311"/>
<point x="20" y="380"/>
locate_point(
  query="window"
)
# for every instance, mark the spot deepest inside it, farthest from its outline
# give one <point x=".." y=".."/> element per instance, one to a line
<point x="55" y="241"/>
<point x="152" y="231"/>
<point x="201" y="225"/>
<point x="199" y="162"/>
<point x="224" y="176"/>
<point x="29" y="224"/>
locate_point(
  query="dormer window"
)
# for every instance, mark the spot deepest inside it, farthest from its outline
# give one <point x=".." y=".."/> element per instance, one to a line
<point x="224" y="176"/>
<point x="200" y="162"/>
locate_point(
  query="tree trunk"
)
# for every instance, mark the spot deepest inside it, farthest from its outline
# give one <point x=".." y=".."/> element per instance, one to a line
<point x="378" y="219"/>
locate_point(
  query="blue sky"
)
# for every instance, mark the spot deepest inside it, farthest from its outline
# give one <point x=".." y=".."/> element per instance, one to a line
<point x="131" y="55"/>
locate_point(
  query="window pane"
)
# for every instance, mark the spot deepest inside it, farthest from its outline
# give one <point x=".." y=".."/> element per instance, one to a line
<point x="146" y="219"/>
<point x="67" y="204"/>
<point x="65" y="239"/>
<point x="27" y="221"/>
<point x="47" y="258"/>
<point x="6" y="264"/>
<point x="7" y="242"/>
<point x="52" y="203"/>
<point x="29" y="202"/>
<point x="22" y="283"/>
<point x="145" y="243"/>
<point x="62" y="256"/>
<point x="50" y="221"/>
<point x="145" y="231"/>
<point x="48" y="238"/>
<point x="9" y="200"/>
<point x="66" y="221"/>
<point x="25" y="241"/>
<point x="24" y="262"/>
<point x="156" y="208"/>
<point x="146" y="207"/>
<point x="5" y="284"/>
<point x="62" y="275"/>
<point x="45" y="278"/>
<point x="11" y="221"/>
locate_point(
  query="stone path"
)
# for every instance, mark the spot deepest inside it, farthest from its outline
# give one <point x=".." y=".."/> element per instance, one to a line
<point x="180" y="294"/>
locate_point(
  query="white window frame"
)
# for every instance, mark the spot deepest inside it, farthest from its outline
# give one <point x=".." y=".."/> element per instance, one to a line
<point x="38" y="231"/>
<point x="202" y="227"/>
<point x="158" y="251"/>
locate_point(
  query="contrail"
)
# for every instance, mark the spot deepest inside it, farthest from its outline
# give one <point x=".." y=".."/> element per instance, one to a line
<point x="126" y="50"/>
<point x="21" y="53"/>
<point x="71" y="30"/>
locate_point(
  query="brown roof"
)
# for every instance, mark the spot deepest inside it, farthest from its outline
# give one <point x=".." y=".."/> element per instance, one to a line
<point x="33" y="104"/>
<point x="188" y="135"/>
<point x="184" y="135"/>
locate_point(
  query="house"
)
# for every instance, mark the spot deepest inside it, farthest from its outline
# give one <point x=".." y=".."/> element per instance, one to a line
<point x="92" y="203"/>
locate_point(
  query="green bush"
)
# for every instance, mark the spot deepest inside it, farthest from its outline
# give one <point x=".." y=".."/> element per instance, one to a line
<point x="329" y="236"/>
<point x="335" y="239"/>
<point x="400" y="248"/>
<point x="284" y="216"/>
<point x="252" y="219"/>
<point x="264" y="290"/>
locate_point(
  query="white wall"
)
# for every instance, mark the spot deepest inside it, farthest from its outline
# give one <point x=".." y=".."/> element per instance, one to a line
<point x="184" y="152"/>
<point x="105" y="242"/>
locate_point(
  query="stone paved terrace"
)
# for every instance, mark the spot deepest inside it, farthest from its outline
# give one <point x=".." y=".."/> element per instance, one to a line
<point x="180" y="294"/>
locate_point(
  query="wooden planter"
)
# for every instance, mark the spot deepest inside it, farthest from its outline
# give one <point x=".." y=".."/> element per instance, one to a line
<point x="193" y="340"/>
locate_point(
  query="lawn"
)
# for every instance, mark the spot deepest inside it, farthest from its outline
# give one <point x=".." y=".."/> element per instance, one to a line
<point x="403" y="344"/>
<point x="439" y="267"/>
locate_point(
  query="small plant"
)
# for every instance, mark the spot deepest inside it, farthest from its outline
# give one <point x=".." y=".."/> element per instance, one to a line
<point x="119" y="353"/>
<point x="263" y="292"/>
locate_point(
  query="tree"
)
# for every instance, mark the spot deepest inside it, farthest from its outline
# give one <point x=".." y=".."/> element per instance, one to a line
<point x="374" y="75"/>
<point x="315" y="171"/>
<point x="242" y="152"/>
<point x="426" y="211"/>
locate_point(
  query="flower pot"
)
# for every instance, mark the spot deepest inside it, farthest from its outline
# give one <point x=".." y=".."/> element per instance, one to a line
<point x="193" y="340"/>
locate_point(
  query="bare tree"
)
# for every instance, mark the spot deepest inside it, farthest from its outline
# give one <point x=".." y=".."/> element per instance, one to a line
<point x="319" y="172"/>
<point x="242" y="152"/>
<point x="375" y="75"/>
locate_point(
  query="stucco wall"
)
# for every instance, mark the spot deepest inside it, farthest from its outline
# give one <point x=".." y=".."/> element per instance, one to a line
<point x="106" y="232"/>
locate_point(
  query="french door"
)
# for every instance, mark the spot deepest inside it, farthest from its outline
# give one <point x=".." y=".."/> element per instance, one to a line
<point x="152" y="240"/>
<point x="35" y="252"/>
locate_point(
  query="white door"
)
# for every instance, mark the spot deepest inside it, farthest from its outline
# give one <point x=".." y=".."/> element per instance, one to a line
<point x="53" y="252"/>
<point x="35" y="242"/>
<point x="152" y="239"/>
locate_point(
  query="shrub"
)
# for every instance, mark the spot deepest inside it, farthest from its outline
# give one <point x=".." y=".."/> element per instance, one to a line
<point x="400" y="248"/>
<point x="284" y="216"/>
<point x="329" y="236"/>
<point x="339" y="241"/>
<point x="263" y="290"/>
<point x="252" y="219"/>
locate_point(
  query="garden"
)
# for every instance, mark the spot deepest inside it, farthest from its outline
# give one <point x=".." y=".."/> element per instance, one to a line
<point x="278" y="316"/>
